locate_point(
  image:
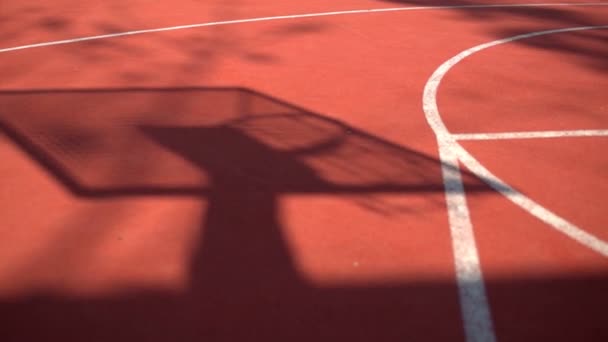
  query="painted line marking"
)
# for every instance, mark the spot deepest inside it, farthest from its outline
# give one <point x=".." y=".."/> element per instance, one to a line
<point x="294" y="16"/>
<point x="475" y="310"/>
<point x="532" y="134"/>
<point x="474" y="307"/>
<point x="474" y="304"/>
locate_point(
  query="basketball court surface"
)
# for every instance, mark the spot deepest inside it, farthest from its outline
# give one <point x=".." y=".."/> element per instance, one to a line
<point x="353" y="170"/>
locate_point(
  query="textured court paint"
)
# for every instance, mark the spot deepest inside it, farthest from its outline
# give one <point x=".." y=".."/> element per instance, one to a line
<point x="532" y="135"/>
<point x="477" y="321"/>
<point x="294" y="16"/>
<point x="476" y="313"/>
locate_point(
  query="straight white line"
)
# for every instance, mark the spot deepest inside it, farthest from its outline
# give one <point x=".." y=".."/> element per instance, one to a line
<point x="476" y="315"/>
<point x="532" y="134"/>
<point x="475" y="310"/>
<point x="294" y="16"/>
<point x="535" y="209"/>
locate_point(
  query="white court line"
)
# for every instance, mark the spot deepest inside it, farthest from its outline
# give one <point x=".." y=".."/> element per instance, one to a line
<point x="474" y="305"/>
<point x="294" y="16"/>
<point x="531" y="134"/>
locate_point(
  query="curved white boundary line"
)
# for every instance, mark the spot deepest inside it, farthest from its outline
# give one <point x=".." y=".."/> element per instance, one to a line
<point x="474" y="304"/>
<point x="294" y="16"/>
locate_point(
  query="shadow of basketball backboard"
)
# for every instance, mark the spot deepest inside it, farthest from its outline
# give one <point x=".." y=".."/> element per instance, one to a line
<point x="124" y="142"/>
<point x="240" y="151"/>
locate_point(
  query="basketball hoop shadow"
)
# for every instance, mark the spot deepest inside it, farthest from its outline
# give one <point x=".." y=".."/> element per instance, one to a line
<point x="240" y="151"/>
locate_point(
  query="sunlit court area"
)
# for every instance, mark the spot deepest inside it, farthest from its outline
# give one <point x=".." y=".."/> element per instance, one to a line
<point x="350" y="170"/>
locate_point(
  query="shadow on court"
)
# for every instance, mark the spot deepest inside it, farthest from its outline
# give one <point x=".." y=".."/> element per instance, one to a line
<point x="586" y="47"/>
<point x="241" y="151"/>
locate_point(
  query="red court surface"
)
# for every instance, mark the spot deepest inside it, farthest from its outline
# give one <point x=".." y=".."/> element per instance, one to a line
<point x="355" y="170"/>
